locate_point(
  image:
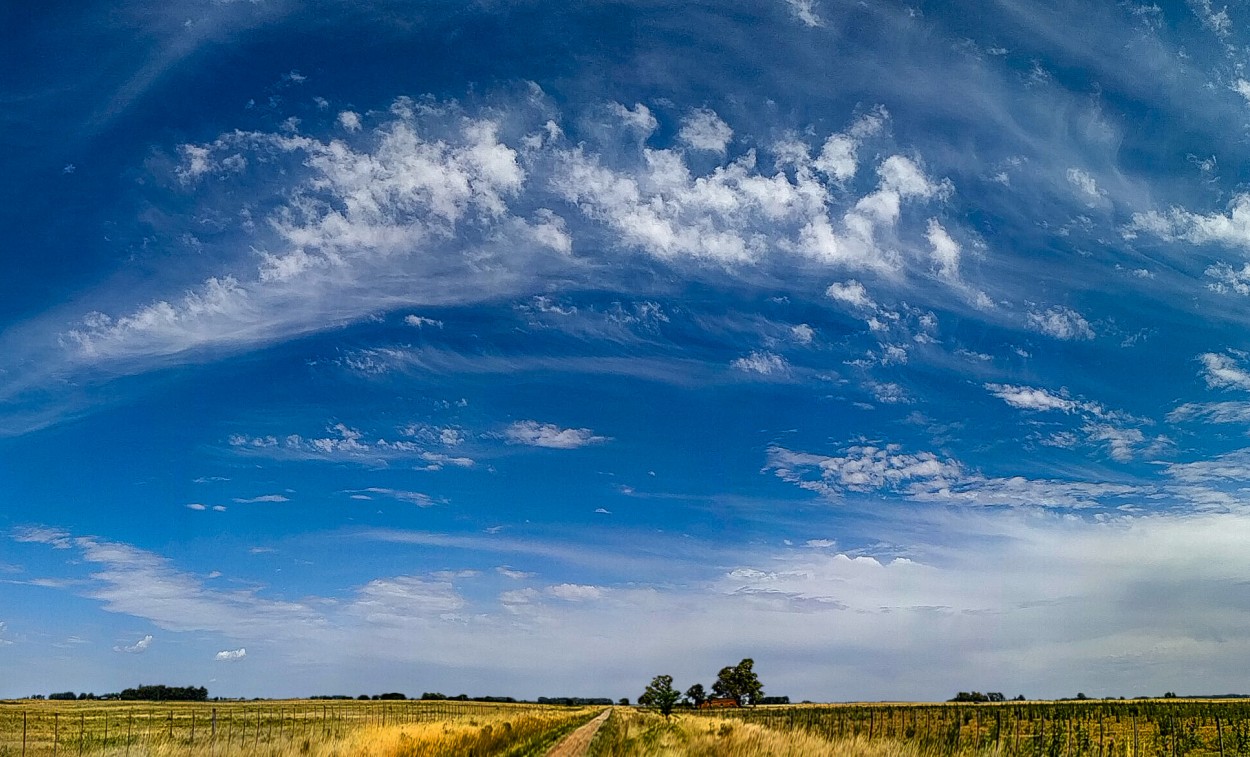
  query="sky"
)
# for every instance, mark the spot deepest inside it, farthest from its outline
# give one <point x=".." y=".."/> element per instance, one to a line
<point x="537" y="349"/>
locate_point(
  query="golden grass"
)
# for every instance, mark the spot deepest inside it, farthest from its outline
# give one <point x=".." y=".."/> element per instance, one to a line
<point x="284" y="729"/>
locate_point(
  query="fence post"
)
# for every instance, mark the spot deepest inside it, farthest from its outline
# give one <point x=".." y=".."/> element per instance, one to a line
<point x="23" y="733"/>
<point x="1219" y="733"/>
<point x="130" y="719"/>
<point x="214" y="734"/>
<point x="56" y="732"/>
<point x="82" y="730"/>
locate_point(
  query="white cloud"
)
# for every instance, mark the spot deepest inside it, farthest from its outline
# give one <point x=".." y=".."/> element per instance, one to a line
<point x="1217" y="21"/>
<point x="231" y="655"/>
<point x="575" y="592"/>
<point x="802" y="333"/>
<point x="406" y="600"/>
<point x="138" y="647"/>
<point x="944" y="250"/>
<point x="196" y="506"/>
<point x="852" y="293"/>
<point x="416" y="498"/>
<point x="417" y="321"/>
<point x="349" y="120"/>
<point x="535" y="434"/>
<point x="926" y="477"/>
<point x="1231" y="229"/>
<point x="762" y="363"/>
<point x="1061" y="323"/>
<point x="704" y="130"/>
<point x="805" y="11"/>
<point x="1224" y="372"/>
<point x="1211" y="412"/>
<point x="1242" y="87"/>
<point x="1027" y="398"/>
<point x="1086" y="187"/>
<point x="638" y="118"/>
<point x="262" y="498"/>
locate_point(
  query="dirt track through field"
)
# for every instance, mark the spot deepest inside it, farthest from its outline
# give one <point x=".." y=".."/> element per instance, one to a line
<point x="577" y="742"/>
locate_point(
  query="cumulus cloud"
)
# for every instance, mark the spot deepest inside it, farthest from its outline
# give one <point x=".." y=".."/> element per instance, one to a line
<point x="231" y="655"/>
<point x="1085" y="186"/>
<point x="852" y="293"/>
<point x="704" y="130"/>
<point x="639" y="118"/>
<point x="535" y="434"/>
<point x="944" y="250"/>
<point x="762" y="363"/>
<point x="349" y="120"/>
<point x="1224" y="371"/>
<point x="805" y="11"/>
<point x="138" y="647"/>
<point x="1061" y="323"/>
<point x="417" y="321"/>
<point x="1231" y="229"/>
<point x="1028" y="398"/>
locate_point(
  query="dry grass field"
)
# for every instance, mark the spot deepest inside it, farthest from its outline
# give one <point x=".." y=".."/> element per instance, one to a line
<point x="283" y="729"/>
<point x="1166" y="728"/>
<point x="1096" y="728"/>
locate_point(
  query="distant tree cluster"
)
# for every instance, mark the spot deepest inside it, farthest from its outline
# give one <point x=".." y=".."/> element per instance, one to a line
<point x="160" y="693"/>
<point x="576" y="701"/>
<point x="140" y="693"/>
<point x="439" y="697"/>
<point x="976" y="696"/>
<point x="738" y="682"/>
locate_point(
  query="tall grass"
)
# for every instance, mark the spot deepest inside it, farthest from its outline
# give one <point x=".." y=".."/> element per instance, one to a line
<point x="287" y="729"/>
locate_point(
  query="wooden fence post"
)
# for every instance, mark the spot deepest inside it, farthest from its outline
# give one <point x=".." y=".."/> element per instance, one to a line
<point x="23" y="733"/>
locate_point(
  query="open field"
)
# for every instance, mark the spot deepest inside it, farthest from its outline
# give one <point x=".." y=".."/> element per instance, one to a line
<point x="278" y="729"/>
<point x="1167" y="728"/>
<point x="1096" y="728"/>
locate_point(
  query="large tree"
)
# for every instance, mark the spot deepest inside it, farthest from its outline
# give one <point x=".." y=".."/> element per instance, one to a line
<point x="739" y="683"/>
<point x="661" y="695"/>
<point x="696" y="694"/>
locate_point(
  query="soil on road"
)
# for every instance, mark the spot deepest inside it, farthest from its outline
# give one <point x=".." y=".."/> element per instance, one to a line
<point x="577" y="742"/>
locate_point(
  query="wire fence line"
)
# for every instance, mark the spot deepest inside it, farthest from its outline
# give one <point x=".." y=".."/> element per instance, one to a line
<point x="67" y="729"/>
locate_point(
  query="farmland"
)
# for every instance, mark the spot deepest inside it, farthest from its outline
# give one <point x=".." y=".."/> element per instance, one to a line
<point x="1168" y="728"/>
<point x="280" y="728"/>
<point x="1094" y="728"/>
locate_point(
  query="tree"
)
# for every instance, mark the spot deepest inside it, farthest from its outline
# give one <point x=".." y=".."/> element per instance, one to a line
<point x="661" y="695"/>
<point x="697" y="695"/>
<point x="739" y="683"/>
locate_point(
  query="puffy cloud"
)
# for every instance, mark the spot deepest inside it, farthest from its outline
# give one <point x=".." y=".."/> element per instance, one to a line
<point x="535" y="434"/>
<point x="1028" y="398"/>
<point x="1231" y="229"/>
<point x="139" y="647"/>
<point x="231" y="655"/>
<point x="349" y="120"/>
<point x="805" y="11"/>
<point x="1224" y="371"/>
<point x="852" y="293"/>
<point x="1086" y="187"/>
<point x="802" y="333"/>
<point x="762" y="363"/>
<point x="639" y="118"/>
<point x="1061" y="323"/>
<point x="944" y="250"/>
<point x="704" y="130"/>
<point x="417" y="321"/>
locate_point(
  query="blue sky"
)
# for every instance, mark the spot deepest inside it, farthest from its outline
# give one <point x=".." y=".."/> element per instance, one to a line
<point x="537" y="349"/>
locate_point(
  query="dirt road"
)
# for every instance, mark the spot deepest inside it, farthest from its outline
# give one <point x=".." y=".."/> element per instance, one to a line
<point x="577" y="742"/>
